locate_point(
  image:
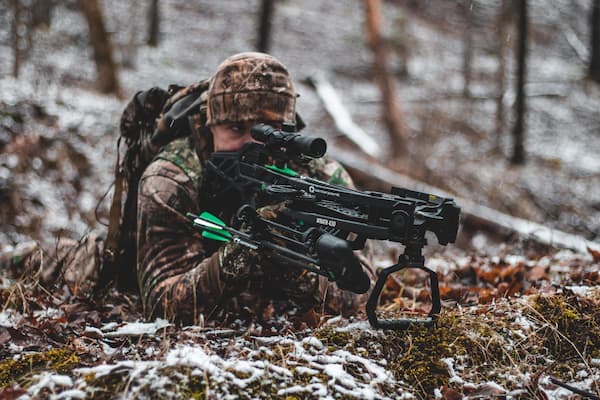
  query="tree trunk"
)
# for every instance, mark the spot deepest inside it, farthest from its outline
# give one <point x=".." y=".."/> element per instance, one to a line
<point x="595" y="41"/>
<point x="16" y="38"/>
<point x="391" y="109"/>
<point x="501" y="31"/>
<point x="518" y="156"/>
<point x="153" y="23"/>
<point x="101" y="44"/>
<point x="41" y="12"/>
<point x="468" y="48"/>
<point x="264" y="29"/>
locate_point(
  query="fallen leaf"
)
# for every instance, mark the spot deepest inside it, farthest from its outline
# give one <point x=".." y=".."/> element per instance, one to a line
<point x="451" y="394"/>
<point x="595" y="253"/>
<point x="10" y="393"/>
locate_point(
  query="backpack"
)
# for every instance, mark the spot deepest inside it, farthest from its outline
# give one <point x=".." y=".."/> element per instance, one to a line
<point x="151" y="120"/>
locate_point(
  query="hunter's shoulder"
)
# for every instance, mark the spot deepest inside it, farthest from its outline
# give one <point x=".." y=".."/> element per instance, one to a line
<point x="329" y="170"/>
<point x="176" y="161"/>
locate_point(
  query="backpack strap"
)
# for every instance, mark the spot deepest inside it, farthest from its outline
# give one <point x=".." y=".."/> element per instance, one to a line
<point x="112" y="238"/>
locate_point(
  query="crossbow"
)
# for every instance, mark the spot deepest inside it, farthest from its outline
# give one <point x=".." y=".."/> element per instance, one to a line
<point x="321" y="224"/>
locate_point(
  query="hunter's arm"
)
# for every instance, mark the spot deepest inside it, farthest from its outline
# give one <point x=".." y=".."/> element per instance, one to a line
<point x="176" y="277"/>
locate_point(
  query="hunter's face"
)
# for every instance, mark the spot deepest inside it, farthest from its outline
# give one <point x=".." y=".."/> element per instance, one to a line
<point x="232" y="136"/>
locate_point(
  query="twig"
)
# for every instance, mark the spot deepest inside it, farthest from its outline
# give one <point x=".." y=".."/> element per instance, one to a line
<point x="587" y="395"/>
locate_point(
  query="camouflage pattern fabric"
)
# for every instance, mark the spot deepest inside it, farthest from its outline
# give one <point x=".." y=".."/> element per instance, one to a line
<point x="251" y="87"/>
<point x="179" y="272"/>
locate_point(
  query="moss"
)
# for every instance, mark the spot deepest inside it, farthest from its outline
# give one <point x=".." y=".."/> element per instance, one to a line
<point x="196" y="388"/>
<point x="106" y="386"/>
<point x="333" y="338"/>
<point x="60" y="360"/>
<point x="572" y="325"/>
<point x="415" y="356"/>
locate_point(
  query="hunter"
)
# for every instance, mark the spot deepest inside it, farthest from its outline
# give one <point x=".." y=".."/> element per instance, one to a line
<point x="180" y="274"/>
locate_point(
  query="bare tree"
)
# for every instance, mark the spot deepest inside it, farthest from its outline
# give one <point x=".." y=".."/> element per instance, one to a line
<point x="153" y="23"/>
<point x="41" y="11"/>
<point x="468" y="45"/>
<point x="16" y="39"/>
<point x="595" y="41"/>
<point x="264" y="26"/>
<point x="502" y="20"/>
<point x="102" y="46"/>
<point x="391" y="109"/>
<point x="518" y="155"/>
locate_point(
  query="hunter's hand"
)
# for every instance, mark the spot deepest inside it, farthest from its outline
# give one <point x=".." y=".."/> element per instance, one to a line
<point x="237" y="262"/>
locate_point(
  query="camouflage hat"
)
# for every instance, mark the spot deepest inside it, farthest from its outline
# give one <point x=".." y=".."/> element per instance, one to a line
<point x="251" y="87"/>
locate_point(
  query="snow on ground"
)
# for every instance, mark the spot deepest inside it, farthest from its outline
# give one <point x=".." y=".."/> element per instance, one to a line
<point x="483" y="344"/>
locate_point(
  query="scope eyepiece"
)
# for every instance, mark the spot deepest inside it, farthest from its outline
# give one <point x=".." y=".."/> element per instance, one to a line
<point x="294" y="143"/>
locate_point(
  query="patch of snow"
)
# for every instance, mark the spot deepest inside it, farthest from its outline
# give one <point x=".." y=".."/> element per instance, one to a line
<point x="9" y="318"/>
<point x="108" y="349"/>
<point x="454" y="378"/>
<point x="109" y="326"/>
<point x="329" y="372"/>
<point x="306" y="371"/>
<point x="48" y="313"/>
<point x="50" y="382"/>
<point x="358" y="325"/>
<point x="317" y="390"/>
<point x="558" y="392"/>
<point x="514" y="259"/>
<point x="582" y="374"/>
<point x="150" y="351"/>
<point x="334" y="320"/>
<point x="69" y="394"/>
<point x="313" y="342"/>
<point x="440" y="265"/>
<point x="582" y="291"/>
<point x="524" y="323"/>
<point x="138" y="328"/>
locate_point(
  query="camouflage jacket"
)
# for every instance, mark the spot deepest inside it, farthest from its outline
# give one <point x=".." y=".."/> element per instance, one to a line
<point x="179" y="272"/>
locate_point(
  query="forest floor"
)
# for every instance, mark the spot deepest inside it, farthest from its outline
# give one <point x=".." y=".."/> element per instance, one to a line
<point x="515" y="315"/>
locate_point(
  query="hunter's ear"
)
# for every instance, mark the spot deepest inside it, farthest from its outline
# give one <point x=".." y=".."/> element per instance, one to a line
<point x="202" y="141"/>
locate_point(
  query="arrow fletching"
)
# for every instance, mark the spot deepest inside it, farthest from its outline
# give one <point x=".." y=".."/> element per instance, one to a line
<point x="213" y="227"/>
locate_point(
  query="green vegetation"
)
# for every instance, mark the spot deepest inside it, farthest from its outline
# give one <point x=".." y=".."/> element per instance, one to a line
<point x="60" y="360"/>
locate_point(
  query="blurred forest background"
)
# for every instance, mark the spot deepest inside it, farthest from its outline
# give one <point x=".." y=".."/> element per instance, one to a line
<point x="496" y="101"/>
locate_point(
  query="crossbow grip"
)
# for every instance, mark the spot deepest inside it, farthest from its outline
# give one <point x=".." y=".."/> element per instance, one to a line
<point x="349" y="274"/>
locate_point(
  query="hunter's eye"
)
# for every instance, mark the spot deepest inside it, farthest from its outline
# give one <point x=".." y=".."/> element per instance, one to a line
<point x="238" y="128"/>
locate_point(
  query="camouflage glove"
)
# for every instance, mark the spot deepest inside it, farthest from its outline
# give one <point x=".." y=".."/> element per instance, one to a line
<point x="237" y="262"/>
<point x="294" y="283"/>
